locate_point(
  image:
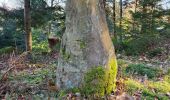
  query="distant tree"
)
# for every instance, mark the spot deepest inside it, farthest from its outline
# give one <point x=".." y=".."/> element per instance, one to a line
<point x="27" y="21"/>
<point x="149" y="15"/>
<point x="136" y="4"/>
<point x="44" y="17"/>
<point x="120" y="19"/>
<point x="11" y="25"/>
<point x="114" y="18"/>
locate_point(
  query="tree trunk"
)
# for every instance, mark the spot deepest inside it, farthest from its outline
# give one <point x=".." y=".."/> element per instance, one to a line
<point x="114" y="19"/>
<point x="168" y="19"/>
<point x="133" y="25"/>
<point x="120" y="20"/>
<point x="104" y="4"/>
<point x="152" y="18"/>
<point x="86" y="43"/>
<point x="27" y="21"/>
<point x="144" y="25"/>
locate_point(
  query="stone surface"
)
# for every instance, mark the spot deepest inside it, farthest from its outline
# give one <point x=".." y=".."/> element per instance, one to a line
<point x="85" y="44"/>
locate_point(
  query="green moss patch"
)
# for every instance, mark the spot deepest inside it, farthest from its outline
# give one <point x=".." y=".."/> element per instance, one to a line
<point x="99" y="81"/>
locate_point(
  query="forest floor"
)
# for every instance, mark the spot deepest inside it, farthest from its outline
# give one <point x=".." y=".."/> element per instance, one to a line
<point x="25" y="77"/>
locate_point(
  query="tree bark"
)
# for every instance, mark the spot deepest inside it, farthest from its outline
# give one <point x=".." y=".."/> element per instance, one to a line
<point x="27" y="22"/>
<point x="86" y="43"/>
<point x="120" y="21"/>
<point x="144" y="25"/>
<point x="114" y="19"/>
<point x="133" y="25"/>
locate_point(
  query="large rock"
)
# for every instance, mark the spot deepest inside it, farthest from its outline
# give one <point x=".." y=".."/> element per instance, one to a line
<point x="85" y="44"/>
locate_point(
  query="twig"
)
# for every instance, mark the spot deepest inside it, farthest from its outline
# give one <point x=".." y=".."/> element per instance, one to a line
<point x="6" y="73"/>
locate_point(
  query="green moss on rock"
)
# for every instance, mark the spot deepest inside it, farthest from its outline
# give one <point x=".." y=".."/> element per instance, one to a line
<point x="111" y="74"/>
<point x="99" y="81"/>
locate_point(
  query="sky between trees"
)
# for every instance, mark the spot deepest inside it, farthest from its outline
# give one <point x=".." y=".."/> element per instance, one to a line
<point x="18" y="3"/>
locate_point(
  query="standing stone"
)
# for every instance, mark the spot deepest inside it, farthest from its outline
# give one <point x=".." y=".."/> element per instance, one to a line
<point x="85" y="44"/>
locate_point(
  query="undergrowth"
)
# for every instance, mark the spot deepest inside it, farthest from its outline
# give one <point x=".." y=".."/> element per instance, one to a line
<point x="150" y="88"/>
